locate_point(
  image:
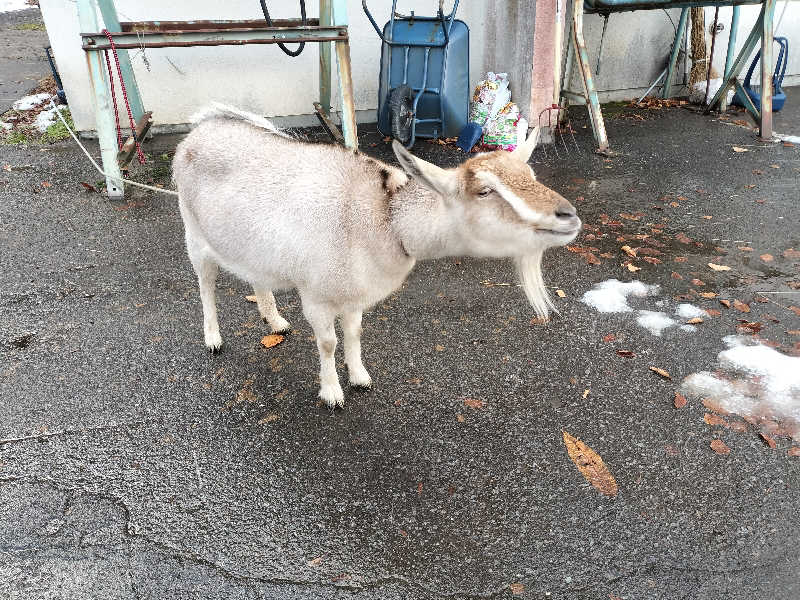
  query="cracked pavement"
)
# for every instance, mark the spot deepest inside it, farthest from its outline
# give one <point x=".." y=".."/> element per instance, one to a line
<point x="132" y="466"/>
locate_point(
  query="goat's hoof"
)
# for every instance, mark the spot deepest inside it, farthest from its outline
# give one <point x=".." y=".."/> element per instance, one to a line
<point x="332" y="395"/>
<point x="280" y="326"/>
<point x="214" y="343"/>
<point x="360" y="379"/>
<point x="214" y="349"/>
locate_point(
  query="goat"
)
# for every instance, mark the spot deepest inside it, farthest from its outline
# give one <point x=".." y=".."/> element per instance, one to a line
<point x="345" y="230"/>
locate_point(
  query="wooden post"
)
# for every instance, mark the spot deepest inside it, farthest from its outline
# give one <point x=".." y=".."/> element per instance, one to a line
<point x="345" y="79"/>
<point x="104" y="112"/>
<point x="325" y="59"/>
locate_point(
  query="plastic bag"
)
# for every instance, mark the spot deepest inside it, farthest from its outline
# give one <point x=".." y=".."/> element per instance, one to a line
<point x="492" y="109"/>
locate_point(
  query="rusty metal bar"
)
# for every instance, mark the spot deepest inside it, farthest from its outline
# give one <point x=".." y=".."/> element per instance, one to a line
<point x="133" y="26"/>
<point x="214" y="37"/>
<point x="128" y="149"/>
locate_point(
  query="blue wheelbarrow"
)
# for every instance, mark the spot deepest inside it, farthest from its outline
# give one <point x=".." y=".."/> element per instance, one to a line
<point x="778" y="95"/>
<point x="423" y="86"/>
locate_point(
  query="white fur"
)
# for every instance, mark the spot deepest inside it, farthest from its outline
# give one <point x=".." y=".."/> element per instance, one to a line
<point x="343" y="229"/>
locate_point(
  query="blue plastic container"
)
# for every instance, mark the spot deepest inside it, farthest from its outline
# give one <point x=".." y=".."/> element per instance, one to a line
<point x="778" y="95"/>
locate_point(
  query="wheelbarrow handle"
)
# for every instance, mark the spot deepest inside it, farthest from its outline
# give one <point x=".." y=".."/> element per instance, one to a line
<point x="447" y="23"/>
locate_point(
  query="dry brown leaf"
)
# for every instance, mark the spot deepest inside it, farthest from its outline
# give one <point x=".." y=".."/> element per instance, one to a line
<point x="475" y="403"/>
<point x="709" y="294"/>
<point x="738" y="149"/>
<point x="791" y="253"/>
<point x="712" y="419"/>
<point x="694" y="321"/>
<point x="460" y="418"/>
<point x="679" y="401"/>
<point x="713" y="312"/>
<point x="676" y="275"/>
<point x="251" y="298"/>
<point x="720" y="447"/>
<point x="633" y="268"/>
<point x="273" y="339"/>
<point x="793" y="451"/>
<point x="683" y="238"/>
<point x="725" y="303"/>
<point x="586" y="393"/>
<point x="745" y="248"/>
<point x="517" y="589"/>
<point x="661" y="372"/>
<point x="674" y="204"/>
<point x="768" y="440"/>
<point x="652" y="260"/>
<point x="795" y="310"/>
<point x="609" y="337"/>
<point x="626" y="353"/>
<point x="561" y="294"/>
<point x="767" y="257"/>
<point x="717" y="267"/>
<point x="629" y="251"/>
<point x="314" y="562"/>
<point x="268" y="419"/>
<point x="680" y="259"/>
<point x="698" y="282"/>
<point x="590" y="465"/>
<point x="439" y="348"/>
<point x="741" y="306"/>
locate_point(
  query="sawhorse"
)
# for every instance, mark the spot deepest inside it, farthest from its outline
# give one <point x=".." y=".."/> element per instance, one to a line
<point x="576" y="52"/>
<point x="332" y="26"/>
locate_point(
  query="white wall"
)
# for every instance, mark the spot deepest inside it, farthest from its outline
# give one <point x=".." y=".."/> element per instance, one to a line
<point x="262" y="79"/>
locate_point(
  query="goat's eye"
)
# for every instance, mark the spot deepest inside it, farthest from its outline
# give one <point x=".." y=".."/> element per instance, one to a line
<point x="485" y="192"/>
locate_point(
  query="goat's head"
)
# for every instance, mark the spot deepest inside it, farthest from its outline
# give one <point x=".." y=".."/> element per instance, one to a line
<point x="499" y="210"/>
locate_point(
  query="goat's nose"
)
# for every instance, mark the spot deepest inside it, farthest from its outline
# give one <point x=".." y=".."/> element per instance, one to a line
<point x="565" y="210"/>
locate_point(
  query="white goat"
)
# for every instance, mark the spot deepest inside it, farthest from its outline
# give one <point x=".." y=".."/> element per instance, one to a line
<point x="345" y="230"/>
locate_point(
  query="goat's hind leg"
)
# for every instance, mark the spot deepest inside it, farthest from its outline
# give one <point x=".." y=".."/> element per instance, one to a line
<point x="351" y="328"/>
<point x="207" y="271"/>
<point x="321" y="318"/>
<point x="269" y="311"/>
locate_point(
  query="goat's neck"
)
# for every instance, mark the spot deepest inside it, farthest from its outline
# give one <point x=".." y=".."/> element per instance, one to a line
<point x="426" y="227"/>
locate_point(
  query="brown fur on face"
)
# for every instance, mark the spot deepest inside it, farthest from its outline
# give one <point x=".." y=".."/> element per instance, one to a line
<point x="517" y="176"/>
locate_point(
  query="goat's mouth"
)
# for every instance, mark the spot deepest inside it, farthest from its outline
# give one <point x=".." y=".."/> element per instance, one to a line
<point x="560" y="232"/>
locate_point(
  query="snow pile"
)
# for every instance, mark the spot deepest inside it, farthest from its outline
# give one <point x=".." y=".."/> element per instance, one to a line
<point x="47" y="117"/>
<point x="31" y="102"/>
<point x="9" y="5"/>
<point x="753" y="381"/>
<point x="612" y="296"/>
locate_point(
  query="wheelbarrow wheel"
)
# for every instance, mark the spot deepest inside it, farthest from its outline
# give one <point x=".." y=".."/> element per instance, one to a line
<point x="401" y="113"/>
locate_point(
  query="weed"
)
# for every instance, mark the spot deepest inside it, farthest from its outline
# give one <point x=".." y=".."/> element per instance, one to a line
<point x="57" y="132"/>
<point x="30" y="27"/>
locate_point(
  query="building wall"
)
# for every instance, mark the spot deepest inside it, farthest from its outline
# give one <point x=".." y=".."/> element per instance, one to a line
<point x="262" y="79"/>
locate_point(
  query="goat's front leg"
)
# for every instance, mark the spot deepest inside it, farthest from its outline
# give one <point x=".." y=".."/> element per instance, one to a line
<point x="321" y="317"/>
<point x="351" y="328"/>
<point x="269" y="311"/>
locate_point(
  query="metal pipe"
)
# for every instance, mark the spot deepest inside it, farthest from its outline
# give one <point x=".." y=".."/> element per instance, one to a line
<point x="710" y="62"/>
<point x="674" y="53"/>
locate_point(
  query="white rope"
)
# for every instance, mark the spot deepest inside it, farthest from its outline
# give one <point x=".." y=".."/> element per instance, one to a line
<point x="96" y="166"/>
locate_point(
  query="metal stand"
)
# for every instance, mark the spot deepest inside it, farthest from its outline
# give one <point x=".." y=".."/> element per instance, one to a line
<point x="331" y="27"/>
<point x="762" y="29"/>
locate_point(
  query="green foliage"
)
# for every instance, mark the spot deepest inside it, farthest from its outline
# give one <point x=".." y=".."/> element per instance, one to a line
<point x="30" y="27"/>
<point x="57" y="132"/>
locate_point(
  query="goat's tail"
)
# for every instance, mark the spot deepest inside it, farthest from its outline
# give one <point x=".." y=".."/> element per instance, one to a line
<point x="222" y="111"/>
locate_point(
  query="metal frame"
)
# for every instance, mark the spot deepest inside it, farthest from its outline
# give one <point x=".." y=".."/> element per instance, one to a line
<point x="763" y="28"/>
<point x="331" y="27"/>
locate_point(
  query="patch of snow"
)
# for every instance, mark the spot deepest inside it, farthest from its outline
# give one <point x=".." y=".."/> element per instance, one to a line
<point x="753" y="381"/>
<point x="46" y="118"/>
<point x="690" y="311"/>
<point x="29" y="102"/>
<point x="612" y="295"/>
<point x="689" y="328"/>
<point x="794" y="139"/>
<point x="9" y="5"/>
<point x="6" y="126"/>
<point x="654" y="322"/>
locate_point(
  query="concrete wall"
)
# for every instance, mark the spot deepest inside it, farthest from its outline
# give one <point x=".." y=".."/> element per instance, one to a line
<point x="264" y="80"/>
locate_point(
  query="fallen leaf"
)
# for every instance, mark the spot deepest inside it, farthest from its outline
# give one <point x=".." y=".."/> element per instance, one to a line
<point x="712" y="312"/>
<point x="680" y="259"/>
<point x="683" y="238"/>
<point x="273" y="339"/>
<point x="47" y="184"/>
<point x="725" y="303"/>
<point x="268" y="419"/>
<point x="698" y="282"/>
<point x="717" y="267"/>
<point x="676" y="275"/>
<point x="661" y="372"/>
<point x="694" y="321"/>
<point x="720" y="447"/>
<point x="679" y="401"/>
<point x="712" y="419"/>
<point x="314" y="562"/>
<point x="795" y="285"/>
<point x="674" y="204"/>
<point x="767" y="257"/>
<point x="709" y="294"/>
<point x="626" y="353"/>
<point x="629" y="251"/>
<point x="745" y="248"/>
<point x="738" y="149"/>
<point x="340" y="577"/>
<point x="251" y="298"/>
<point x="89" y="187"/>
<point x="741" y="306"/>
<point x="585" y="394"/>
<point x="590" y="465"/>
<point x="794" y="332"/>
<point x="561" y="294"/>
<point x="439" y="348"/>
<point x="795" y="310"/>
<point x="606" y="255"/>
<point x="768" y="440"/>
<point x="609" y="338"/>
<point x="652" y="260"/>
<point x="475" y="403"/>
<point x="516" y="589"/>
<point x="629" y="216"/>
<point x="791" y="253"/>
<point x="460" y="418"/>
<point x="633" y="268"/>
<point x="793" y="451"/>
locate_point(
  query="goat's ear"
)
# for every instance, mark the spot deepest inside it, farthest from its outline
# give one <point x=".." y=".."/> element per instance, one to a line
<point x="524" y="150"/>
<point x="439" y="180"/>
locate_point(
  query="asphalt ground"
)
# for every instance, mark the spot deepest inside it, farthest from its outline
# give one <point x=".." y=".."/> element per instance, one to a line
<point x="133" y="464"/>
<point x="23" y="62"/>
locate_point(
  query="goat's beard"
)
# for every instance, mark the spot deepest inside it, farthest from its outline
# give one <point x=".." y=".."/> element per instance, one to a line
<point x="530" y="275"/>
